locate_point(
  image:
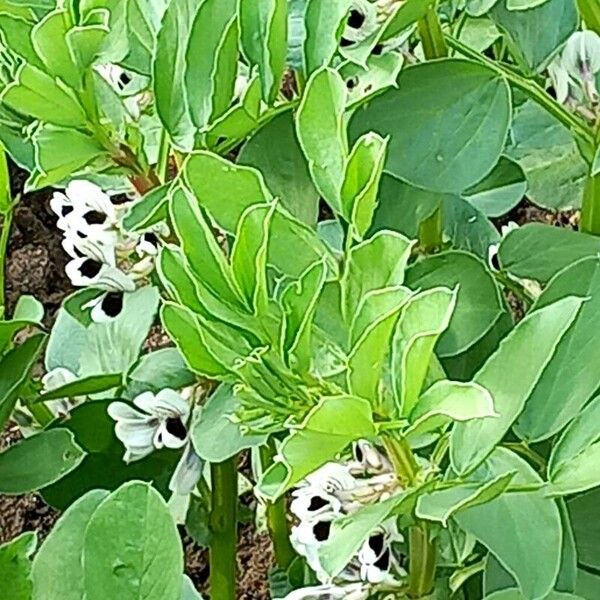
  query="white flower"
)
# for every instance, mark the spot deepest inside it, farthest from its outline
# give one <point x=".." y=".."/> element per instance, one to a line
<point x="309" y="503"/>
<point x="376" y="557"/>
<point x="331" y="477"/>
<point x="368" y="460"/>
<point x="493" y="248"/>
<point x="160" y="422"/>
<point x="361" y="22"/>
<point x="355" y="591"/>
<point x="106" y="307"/>
<point x="83" y="205"/>
<point x="148" y="244"/>
<point x="87" y="272"/>
<point x="57" y="378"/>
<point x="127" y="84"/>
<point x="187" y="473"/>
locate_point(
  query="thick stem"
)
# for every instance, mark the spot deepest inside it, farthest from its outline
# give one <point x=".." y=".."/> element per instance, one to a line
<point x="421" y="577"/>
<point x="422" y="552"/>
<point x="223" y="526"/>
<point x="4" y="237"/>
<point x="590" y="209"/>
<point x="277" y="521"/>
<point x="432" y="37"/>
<point x="164" y="149"/>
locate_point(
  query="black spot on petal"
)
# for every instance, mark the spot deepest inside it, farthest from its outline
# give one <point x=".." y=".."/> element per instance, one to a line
<point x="151" y="238"/>
<point x="316" y="503"/>
<point x="94" y="217"/>
<point x="351" y="82"/>
<point x="377" y="50"/>
<point x="112" y="304"/>
<point x="495" y="261"/>
<point x="81" y="235"/>
<point x="344" y="43"/>
<point x="124" y="80"/>
<point x="383" y="562"/>
<point x="358" y="453"/>
<point x="66" y="209"/>
<point x="376" y="543"/>
<point x="321" y="530"/>
<point x="356" y="19"/>
<point x="90" y="268"/>
<point x="176" y="428"/>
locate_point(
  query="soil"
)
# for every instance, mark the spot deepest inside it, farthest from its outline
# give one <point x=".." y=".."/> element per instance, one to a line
<point x="35" y="265"/>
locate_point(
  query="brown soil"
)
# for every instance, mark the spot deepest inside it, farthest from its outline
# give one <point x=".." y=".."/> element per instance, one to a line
<point x="35" y="265"/>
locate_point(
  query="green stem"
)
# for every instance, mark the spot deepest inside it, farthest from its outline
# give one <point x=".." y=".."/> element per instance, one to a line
<point x="533" y="91"/>
<point x="421" y="552"/>
<point x="4" y="237"/>
<point x="524" y="450"/>
<point x="421" y="557"/>
<point x="590" y="209"/>
<point x="223" y="526"/>
<point x="41" y="413"/>
<point x="277" y="521"/>
<point x="164" y="150"/>
<point x="431" y="34"/>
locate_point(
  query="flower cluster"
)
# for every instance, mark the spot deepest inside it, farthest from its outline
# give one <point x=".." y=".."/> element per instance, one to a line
<point x="574" y="73"/>
<point x="157" y="421"/>
<point x="103" y="256"/>
<point x="336" y="490"/>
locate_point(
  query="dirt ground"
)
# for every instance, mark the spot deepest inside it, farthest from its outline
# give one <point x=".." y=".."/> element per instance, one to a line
<point x="35" y="265"/>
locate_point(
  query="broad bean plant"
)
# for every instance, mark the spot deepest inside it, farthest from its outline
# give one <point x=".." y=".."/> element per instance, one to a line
<point x="278" y="218"/>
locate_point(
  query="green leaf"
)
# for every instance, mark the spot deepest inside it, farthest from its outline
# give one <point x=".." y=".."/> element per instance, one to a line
<point x="548" y="154"/>
<point x="426" y="149"/>
<point x="583" y="511"/>
<point x="185" y="330"/>
<point x="387" y="249"/>
<point x="321" y="131"/>
<point x="479" y="303"/>
<point x="274" y="151"/>
<point x="249" y="256"/>
<point x="500" y="191"/>
<point x="513" y="594"/>
<point x="103" y="466"/>
<point x="299" y="303"/>
<point x="62" y="552"/>
<point x="447" y="401"/>
<point x="263" y="29"/>
<point x="535" y="45"/>
<point x="324" y="22"/>
<point x="85" y="386"/>
<point x="361" y="181"/>
<point x="224" y="189"/>
<point x="17" y="33"/>
<point x="132" y="548"/>
<point x="15" y="366"/>
<point x="53" y="164"/>
<point x="590" y="11"/>
<point x="15" y="566"/>
<point x="471" y="442"/>
<point x="327" y="429"/>
<point x="425" y="318"/>
<point x="556" y="400"/>
<point x="147" y="210"/>
<point x="157" y="370"/>
<point x="38" y="461"/>
<point x="572" y="466"/>
<point x="168" y="69"/>
<point x="201" y="249"/>
<point x="532" y="559"/>
<point x="49" y="39"/>
<point x="189" y="591"/>
<point x="405" y="15"/>
<point x="39" y="96"/>
<point x="539" y="252"/>
<point x="66" y="342"/>
<point x="441" y="505"/>
<point x="367" y="357"/>
<point x="113" y="347"/>
<point x="349" y="532"/>
<point x="215" y="433"/>
<point x="28" y="309"/>
<point x="211" y="60"/>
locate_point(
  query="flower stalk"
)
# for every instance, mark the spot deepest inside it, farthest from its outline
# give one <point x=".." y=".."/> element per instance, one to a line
<point x="223" y="526"/>
<point x="590" y="208"/>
